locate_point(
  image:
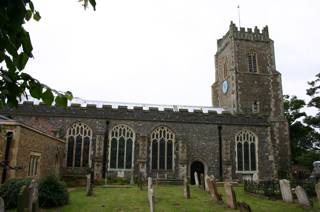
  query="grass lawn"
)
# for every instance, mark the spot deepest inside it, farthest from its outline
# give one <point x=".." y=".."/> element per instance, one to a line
<point x="168" y="198"/>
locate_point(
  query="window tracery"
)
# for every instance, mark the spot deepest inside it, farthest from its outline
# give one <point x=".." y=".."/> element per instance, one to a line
<point x="246" y="154"/>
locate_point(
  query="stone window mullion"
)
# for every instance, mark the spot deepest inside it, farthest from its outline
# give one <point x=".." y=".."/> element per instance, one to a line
<point x="117" y="153"/>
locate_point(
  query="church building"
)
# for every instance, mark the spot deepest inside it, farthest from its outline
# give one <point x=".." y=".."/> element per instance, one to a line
<point x="242" y="134"/>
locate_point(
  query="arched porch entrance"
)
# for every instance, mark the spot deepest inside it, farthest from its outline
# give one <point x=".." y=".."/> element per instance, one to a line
<point x="198" y="167"/>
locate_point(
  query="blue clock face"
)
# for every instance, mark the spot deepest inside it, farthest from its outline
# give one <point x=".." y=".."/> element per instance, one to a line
<point x="225" y="86"/>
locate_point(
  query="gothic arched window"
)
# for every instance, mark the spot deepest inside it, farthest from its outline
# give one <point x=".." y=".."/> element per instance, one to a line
<point x="252" y="62"/>
<point x="162" y="149"/>
<point x="246" y="155"/>
<point x="79" y="137"/>
<point x="121" y="147"/>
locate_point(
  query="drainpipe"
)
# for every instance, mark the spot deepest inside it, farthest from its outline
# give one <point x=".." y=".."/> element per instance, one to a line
<point x="220" y="153"/>
<point x="104" y="155"/>
<point x="9" y="137"/>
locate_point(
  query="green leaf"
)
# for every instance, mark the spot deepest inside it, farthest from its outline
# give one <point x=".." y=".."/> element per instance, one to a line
<point x="10" y="47"/>
<point x="21" y="60"/>
<point x="36" y="16"/>
<point x="31" y="6"/>
<point x="26" y="43"/>
<point x="93" y="4"/>
<point x="47" y="97"/>
<point x="68" y="95"/>
<point x="28" y="15"/>
<point x="61" y="100"/>
<point x="36" y="90"/>
<point x="9" y="63"/>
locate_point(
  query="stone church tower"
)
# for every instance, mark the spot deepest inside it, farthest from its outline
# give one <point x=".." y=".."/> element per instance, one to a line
<point x="247" y="82"/>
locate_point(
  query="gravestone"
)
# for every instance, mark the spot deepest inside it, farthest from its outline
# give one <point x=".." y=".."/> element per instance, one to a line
<point x="317" y="188"/>
<point x="213" y="190"/>
<point x="255" y="178"/>
<point x="186" y="189"/>
<point x="33" y="196"/>
<point x="302" y="197"/>
<point x="286" y="190"/>
<point x="202" y="184"/>
<point x="230" y="195"/>
<point x="89" y="185"/>
<point x="151" y="195"/>
<point x="244" y="207"/>
<point x="23" y="199"/>
<point x="196" y="179"/>
<point x="1" y="205"/>
<point x="140" y="181"/>
<point x="132" y="177"/>
<point x="206" y="183"/>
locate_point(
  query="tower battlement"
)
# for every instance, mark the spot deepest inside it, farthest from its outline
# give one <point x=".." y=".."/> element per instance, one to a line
<point x="245" y="34"/>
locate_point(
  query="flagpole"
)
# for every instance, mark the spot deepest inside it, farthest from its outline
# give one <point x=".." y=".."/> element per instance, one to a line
<point x="239" y="15"/>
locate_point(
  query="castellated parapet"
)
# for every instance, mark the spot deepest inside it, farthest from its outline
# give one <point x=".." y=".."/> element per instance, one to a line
<point x="244" y="34"/>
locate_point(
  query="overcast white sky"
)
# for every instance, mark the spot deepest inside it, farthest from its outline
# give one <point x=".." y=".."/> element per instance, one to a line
<point x="162" y="51"/>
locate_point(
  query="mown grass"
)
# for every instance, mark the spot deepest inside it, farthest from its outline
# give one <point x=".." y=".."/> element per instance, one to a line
<point x="168" y="198"/>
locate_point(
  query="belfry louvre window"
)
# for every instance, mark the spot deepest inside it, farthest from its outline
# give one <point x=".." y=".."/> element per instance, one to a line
<point x="121" y="147"/>
<point x="252" y="61"/>
<point x="79" y="137"/>
<point x="162" y="149"/>
<point x="34" y="164"/>
<point x="246" y="155"/>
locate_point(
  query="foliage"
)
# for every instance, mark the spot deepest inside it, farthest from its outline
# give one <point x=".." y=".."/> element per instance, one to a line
<point x="9" y="191"/>
<point x="302" y="136"/>
<point x="117" y="181"/>
<point x="15" y="51"/>
<point x="307" y="158"/>
<point x="52" y="192"/>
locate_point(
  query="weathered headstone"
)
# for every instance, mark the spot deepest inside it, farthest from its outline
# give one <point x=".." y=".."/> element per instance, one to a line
<point x="244" y="207"/>
<point x="302" y="197"/>
<point x="285" y="190"/>
<point x="132" y="177"/>
<point x="89" y="185"/>
<point x="140" y="181"/>
<point x="196" y="179"/>
<point x="23" y="199"/>
<point x="213" y="190"/>
<point x="230" y="195"/>
<point x="33" y="196"/>
<point x="317" y="188"/>
<point x="151" y="195"/>
<point x="206" y="182"/>
<point x="255" y="178"/>
<point x="202" y="184"/>
<point x="1" y="205"/>
<point x="186" y="189"/>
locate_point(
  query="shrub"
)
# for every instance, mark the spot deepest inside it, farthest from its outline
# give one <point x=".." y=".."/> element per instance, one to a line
<point x="52" y="192"/>
<point x="118" y="181"/>
<point x="10" y="190"/>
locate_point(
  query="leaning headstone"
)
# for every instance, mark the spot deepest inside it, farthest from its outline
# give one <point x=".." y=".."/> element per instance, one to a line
<point x="186" y="189"/>
<point x="285" y="190"/>
<point x="202" y="184"/>
<point x="33" y="196"/>
<point x="244" y="207"/>
<point x="230" y="195"/>
<point x="23" y="199"/>
<point x="150" y="194"/>
<point x="317" y="188"/>
<point x="132" y="177"/>
<point x="302" y="197"/>
<point x="213" y="190"/>
<point x="196" y="179"/>
<point x="206" y="182"/>
<point x="89" y="185"/>
<point x="1" y="205"/>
